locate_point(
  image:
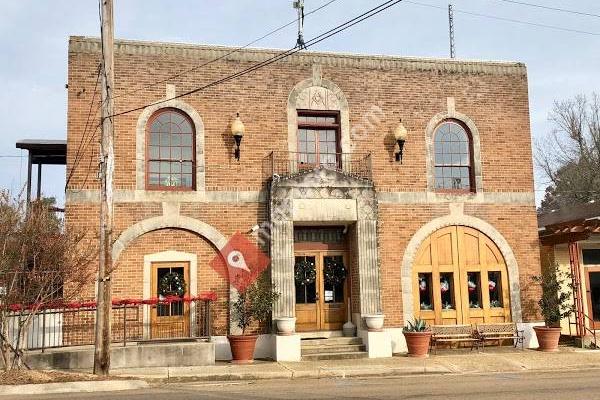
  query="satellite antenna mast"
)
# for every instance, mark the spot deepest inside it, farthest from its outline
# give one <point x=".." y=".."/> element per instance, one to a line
<point x="299" y="5"/>
<point x="451" y="30"/>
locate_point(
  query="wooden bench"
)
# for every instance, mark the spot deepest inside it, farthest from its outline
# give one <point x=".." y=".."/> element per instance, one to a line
<point x="452" y="333"/>
<point x="500" y="331"/>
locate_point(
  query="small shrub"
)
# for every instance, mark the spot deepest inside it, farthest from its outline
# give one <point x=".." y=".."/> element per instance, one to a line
<point x="556" y="294"/>
<point x="417" y="325"/>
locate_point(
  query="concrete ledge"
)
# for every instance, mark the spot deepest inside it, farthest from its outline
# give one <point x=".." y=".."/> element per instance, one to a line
<point x="72" y="387"/>
<point x="132" y="356"/>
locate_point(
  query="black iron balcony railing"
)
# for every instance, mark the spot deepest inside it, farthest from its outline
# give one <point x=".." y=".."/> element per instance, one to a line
<point x="285" y="164"/>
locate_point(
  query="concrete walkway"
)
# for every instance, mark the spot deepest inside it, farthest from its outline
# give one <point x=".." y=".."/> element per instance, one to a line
<point x="446" y="362"/>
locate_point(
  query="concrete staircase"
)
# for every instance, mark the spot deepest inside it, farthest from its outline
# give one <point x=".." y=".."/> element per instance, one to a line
<point x="333" y="348"/>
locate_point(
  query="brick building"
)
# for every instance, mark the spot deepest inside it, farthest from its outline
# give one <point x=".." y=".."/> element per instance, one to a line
<point x="448" y="234"/>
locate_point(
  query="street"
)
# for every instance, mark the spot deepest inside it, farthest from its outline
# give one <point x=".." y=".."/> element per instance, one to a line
<point x="570" y="384"/>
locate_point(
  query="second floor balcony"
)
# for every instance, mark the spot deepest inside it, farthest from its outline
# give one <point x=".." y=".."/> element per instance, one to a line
<point x="284" y="164"/>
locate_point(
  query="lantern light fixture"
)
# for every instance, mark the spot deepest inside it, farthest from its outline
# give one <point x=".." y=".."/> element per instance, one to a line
<point x="400" y="134"/>
<point x="237" y="131"/>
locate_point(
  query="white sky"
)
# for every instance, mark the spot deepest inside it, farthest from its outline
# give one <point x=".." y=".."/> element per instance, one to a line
<point x="34" y="38"/>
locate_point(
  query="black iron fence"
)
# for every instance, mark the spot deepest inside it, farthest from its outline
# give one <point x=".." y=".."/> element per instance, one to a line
<point x="289" y="163"/>
<point x="132" y="321"/>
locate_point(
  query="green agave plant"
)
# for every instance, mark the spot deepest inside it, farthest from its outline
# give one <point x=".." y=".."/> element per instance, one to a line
<point x="417" y="325"/>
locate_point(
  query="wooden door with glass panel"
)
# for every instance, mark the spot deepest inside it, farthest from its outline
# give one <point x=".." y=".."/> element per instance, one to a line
<point x="460" y="278"/>
<point x="173" y="319"/>
<point x="321" y="292"/>
<point x="591" y="263"/>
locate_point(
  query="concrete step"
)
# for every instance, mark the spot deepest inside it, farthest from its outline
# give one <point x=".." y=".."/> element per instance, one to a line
<point x="333" y="341"/>
<point x="335" y="356"/>
<point x="348" y="348"/>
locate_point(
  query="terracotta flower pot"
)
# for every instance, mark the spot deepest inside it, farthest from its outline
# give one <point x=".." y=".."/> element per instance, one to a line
<point x="418" y="343"/>
<point x="547" y="337"/>
<point x="242" y="348"/>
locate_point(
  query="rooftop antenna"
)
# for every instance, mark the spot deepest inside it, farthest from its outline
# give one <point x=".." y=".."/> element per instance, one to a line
<point x="299" y="5"/>
<point x="451" y="30"/>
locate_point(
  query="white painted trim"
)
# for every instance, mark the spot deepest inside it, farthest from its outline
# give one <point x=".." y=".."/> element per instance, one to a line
<point x="168" y="256"/>
<point x="459" y="219"/>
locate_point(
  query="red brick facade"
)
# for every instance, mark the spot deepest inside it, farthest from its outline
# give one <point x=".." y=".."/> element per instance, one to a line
<point x="493" y="95"/>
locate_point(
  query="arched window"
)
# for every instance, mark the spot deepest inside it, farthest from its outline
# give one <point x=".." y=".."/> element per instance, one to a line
<point x="452" y="158"/>
<point x="170" y="151"/>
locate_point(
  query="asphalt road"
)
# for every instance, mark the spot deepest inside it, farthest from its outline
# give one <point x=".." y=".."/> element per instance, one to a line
<point x="571" y="385"/>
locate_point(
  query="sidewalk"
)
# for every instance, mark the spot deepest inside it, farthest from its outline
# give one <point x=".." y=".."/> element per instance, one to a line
<point x="446" y="362"/>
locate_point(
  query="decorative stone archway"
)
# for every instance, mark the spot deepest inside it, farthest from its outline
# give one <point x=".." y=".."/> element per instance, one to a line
<point x="459" y="219"/>
<point x="451" y="113"/>
<point x="163" y="222"/>
<point x="317" y="93"/>
<point x="323" y="196"/>
<point x="140" y="142"/>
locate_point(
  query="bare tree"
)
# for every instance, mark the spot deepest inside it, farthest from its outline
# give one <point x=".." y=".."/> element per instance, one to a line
<point x="569" y="156"/>
<point x="41" y="264"/>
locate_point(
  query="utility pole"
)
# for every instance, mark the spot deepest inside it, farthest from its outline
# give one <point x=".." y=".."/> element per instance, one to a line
<point x="451" y="27"/>
<point x="104" y="297"/>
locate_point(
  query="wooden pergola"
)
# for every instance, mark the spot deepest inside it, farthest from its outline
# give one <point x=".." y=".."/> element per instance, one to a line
<point x="570" y="226"/>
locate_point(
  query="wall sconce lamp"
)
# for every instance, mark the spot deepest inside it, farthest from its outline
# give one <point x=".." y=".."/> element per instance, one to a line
<point x="400" y="134"/>
<point x="237" y="131"/>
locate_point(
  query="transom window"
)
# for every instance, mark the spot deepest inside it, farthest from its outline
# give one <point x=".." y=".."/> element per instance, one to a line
<point x="318" y="138"/>
<point x="452" y="157"/>
<point x="170" y="151"/>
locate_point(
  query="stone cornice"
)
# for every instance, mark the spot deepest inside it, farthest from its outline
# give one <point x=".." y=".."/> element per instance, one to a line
<point x="81" y="44"/>
<point x="142" y="196"/>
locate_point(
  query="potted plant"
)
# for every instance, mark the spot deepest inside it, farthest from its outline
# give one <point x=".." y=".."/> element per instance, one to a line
<point x="252" y="305"/>
<point x="374" y="322"/>
<point x="418" y="336"/>
<point x="554" y="305"/>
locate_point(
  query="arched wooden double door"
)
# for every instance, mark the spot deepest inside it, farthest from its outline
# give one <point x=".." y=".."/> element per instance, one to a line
<point x="460" y="277"/>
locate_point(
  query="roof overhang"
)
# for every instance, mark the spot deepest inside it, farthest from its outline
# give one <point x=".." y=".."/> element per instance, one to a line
<point x="52" y="152"/>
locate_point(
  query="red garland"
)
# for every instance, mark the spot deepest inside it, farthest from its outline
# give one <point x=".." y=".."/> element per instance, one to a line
<point x="204" y="296"/>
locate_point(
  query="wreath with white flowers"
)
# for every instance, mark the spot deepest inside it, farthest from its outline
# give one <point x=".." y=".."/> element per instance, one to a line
<point x="334" y="271"/>
<point x="305" y="272"/>
<point x="172" y="284"/>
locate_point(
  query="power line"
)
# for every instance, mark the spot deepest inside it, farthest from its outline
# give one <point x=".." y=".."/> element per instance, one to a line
<point x="552" y="8"/>
<point x="280" y="56"/>
<point x="187" y="71"/>
<point x="81" y="148"/>
<point x="507" y="19"/>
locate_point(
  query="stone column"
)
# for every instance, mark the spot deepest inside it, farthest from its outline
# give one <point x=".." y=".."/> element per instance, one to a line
<point x="282" y="267"/>
<point x="368" y="267"/>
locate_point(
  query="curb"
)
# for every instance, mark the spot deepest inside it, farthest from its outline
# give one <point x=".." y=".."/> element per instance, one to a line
<point x="322" y="373"/>
<point x="73" y="387"/>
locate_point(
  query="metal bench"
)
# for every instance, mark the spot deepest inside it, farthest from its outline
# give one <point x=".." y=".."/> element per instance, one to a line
<point x="452" y="333"/>
<point x="500" y="331"/>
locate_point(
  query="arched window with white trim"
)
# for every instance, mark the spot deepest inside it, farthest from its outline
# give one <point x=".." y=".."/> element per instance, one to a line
<point x="170" y="151"/>
<point x="453" y="158"/>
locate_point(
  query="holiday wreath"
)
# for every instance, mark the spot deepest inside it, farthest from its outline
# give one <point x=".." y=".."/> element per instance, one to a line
<point x="171" y="284"/>
<point x="305" y="272"/>
<point x="334" y="271"/>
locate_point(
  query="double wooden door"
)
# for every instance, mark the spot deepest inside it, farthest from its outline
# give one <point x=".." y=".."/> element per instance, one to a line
<point x="169" y="320"/>
<point x="320" y="302"/>
<point x="460" y="277"/>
